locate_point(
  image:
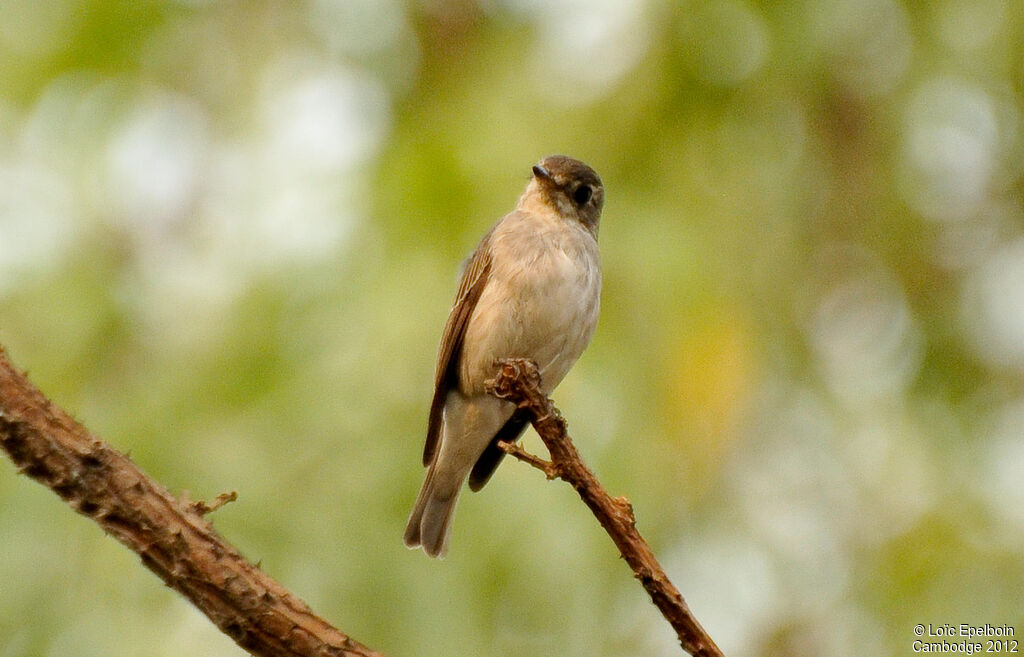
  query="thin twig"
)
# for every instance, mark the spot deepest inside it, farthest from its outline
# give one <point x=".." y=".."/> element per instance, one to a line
<point x="513" y="449"/>
<point x="171" y="535"/>
<point x="518" y="381"/>
<point x="202" y="508"/>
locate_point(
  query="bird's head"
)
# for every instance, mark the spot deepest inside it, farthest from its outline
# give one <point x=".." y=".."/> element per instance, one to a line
<point x="569" y="187"/>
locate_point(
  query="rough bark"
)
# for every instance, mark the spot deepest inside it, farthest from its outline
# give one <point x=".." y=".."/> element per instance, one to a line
<point x="170" y="535"/>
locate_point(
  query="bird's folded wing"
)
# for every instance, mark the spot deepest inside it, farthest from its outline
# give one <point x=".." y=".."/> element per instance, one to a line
<point x="474" y="279"/>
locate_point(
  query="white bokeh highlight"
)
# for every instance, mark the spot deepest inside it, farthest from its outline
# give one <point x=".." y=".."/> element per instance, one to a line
<point x="865" y="339"/>
<point x="993" y="307"/>
<point x="155" y="159"/>
<point x="951" y="149"/>
<point x="584" y="47"/>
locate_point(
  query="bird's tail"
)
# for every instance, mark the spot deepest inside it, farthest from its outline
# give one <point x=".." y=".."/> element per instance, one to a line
<point x="430" y="522"/>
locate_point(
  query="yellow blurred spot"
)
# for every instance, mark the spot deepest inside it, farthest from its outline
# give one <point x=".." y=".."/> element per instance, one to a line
<point x="709" y="382"/>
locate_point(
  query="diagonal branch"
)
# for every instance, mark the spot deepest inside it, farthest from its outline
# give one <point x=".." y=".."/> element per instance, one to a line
<point x="169" y="534"/>
<point x="518" y="381"/>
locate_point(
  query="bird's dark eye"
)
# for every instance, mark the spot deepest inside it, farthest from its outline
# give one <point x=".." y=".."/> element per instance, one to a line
<point x="582" y="194"/>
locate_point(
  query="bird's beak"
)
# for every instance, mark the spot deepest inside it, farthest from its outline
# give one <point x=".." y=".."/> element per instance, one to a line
<point x="541" y="173"/>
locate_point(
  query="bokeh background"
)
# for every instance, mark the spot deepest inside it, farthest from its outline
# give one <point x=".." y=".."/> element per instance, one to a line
<point x="229" y="238"/>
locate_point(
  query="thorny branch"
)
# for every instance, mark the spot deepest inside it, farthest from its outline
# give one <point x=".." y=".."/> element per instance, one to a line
<point x="518" y="381"/>
<point x="170" y="534"/>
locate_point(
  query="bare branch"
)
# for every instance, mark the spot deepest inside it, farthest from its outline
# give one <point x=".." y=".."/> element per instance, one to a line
<point x="519" y="381"/>
<point x="169" y="534"/>
<point x="513" y="449"/>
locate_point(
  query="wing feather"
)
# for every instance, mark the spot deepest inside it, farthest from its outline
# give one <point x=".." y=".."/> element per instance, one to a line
<point x="474" y="279"/>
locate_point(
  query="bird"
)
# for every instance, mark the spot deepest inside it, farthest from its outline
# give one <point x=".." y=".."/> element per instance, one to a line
<point x="531" y="289"/>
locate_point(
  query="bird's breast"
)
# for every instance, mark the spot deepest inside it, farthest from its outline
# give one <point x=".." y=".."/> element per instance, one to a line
<point x="541" y="302"/>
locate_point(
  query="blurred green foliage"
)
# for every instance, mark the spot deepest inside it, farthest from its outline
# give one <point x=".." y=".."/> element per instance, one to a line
<point x="229" y="235"/>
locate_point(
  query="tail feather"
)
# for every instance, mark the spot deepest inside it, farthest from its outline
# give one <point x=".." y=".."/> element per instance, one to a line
<point x="468" y="425"/>
<point x="430" y="521"/>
